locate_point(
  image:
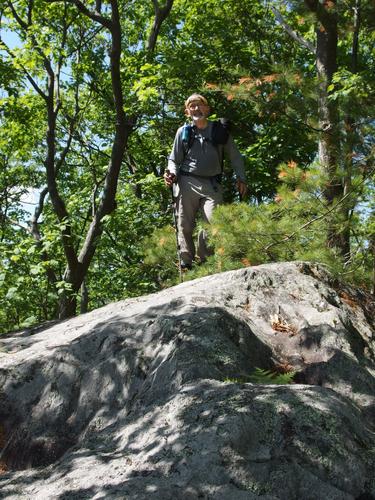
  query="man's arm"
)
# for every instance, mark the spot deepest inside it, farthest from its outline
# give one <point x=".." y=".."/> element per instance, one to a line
<point x="175" y="159"/>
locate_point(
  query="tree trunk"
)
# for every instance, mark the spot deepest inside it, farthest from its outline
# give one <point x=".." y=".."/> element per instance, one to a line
<point x="351" y="138"/>
<point x="75" y="272"/>
<point x="329" y="120"/>
<point x="84" y="298"/>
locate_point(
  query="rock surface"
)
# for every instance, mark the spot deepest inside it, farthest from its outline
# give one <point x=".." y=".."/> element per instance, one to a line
<point x="146" y="399"/>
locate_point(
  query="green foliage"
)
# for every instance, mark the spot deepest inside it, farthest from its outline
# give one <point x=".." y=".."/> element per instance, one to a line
<point x="291" y="227"/>
<point x="260" y="376"/>
<point x="121" y="270"/>
<point x="26" y="297"/>
<point x="160" y="256"/>
<point x="251" y="71"/>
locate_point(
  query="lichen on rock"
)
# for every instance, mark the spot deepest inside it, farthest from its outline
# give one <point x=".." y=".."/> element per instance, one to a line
<point x="148" y="398"/>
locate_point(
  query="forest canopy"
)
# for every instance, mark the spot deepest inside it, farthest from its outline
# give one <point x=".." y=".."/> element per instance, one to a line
<point x="91" y="97"/>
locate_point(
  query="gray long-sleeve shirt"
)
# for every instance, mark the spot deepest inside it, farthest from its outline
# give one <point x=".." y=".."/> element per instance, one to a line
<point x="203" y="158"/>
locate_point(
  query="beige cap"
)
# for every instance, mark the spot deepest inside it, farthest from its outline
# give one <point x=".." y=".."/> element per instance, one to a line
<point x="195" y="97"/>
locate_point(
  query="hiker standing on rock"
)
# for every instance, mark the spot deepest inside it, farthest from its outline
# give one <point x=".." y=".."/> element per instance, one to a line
<point x="195" y="170"/>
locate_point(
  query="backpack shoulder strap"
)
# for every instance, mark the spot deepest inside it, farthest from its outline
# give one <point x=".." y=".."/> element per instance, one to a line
<point x="220" y="131"/>
<point x="187" y="136"/>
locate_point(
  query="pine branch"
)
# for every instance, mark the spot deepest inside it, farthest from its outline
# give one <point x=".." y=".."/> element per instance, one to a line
<point x="315" y="219"/>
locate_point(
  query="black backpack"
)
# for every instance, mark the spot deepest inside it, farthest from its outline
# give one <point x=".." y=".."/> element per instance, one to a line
<point x="219" y="134"/>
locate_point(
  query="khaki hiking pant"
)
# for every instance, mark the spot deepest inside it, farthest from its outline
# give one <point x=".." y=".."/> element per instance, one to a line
<point x="195" y="194"/>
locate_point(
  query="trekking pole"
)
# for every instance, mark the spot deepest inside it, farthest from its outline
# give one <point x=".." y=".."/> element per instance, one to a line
<point x="176" y="231"/>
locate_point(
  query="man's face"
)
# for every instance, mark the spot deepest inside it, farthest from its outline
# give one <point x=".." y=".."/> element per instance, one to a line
<point x="197" y="110"/>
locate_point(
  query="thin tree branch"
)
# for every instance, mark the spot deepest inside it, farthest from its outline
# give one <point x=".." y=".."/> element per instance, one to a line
<point x="4" y="217"/>
<point x="356" y="27"/>
<point x="27" y="74"/>
<point x="298" y="38"/>
<point x="161" y="13"/>
<point x="37" y="213"/>
<point x="61" y="57"/>
<point x="30" y="12"/>
<point x="19" y="20"/>
<point x="34" y="230"/>
<point x="94" y="15"/>
<point x="84" y="42"/>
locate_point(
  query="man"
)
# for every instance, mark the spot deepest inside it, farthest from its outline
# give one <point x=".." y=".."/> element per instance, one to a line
<point x="195" y="165"/>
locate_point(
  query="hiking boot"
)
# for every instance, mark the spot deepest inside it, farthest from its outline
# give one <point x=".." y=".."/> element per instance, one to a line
<point x="185" y="266"/>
